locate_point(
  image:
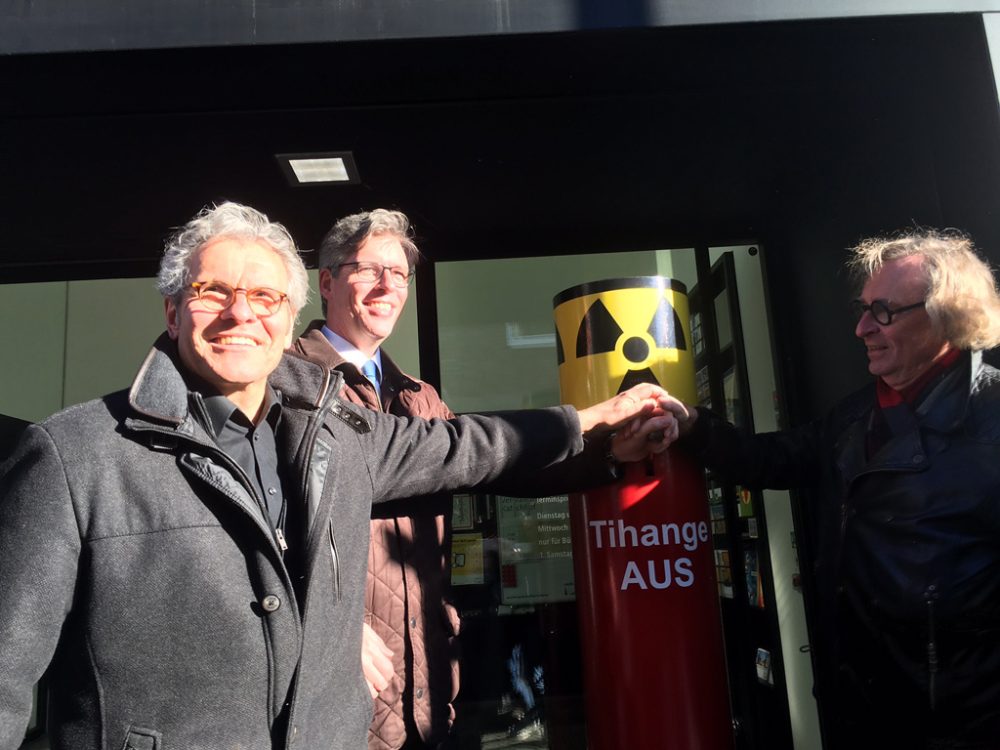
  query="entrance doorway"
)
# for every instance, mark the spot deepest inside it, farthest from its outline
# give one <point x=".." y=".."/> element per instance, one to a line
<point x="522" y="684"/>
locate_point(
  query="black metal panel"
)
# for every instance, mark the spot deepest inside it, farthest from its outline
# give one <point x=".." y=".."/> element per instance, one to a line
<point x="509" y="146"/>
<point x="809" y="135"/>
<point x="68" y="26"/>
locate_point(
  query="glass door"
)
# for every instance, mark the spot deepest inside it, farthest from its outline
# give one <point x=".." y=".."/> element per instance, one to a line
<point x="512" y="576"/>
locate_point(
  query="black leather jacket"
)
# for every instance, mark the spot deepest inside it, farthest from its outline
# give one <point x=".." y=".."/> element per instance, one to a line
<point x="908" y="563"/>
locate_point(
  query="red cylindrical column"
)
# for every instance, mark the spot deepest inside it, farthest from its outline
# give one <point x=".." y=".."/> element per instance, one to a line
<point x="644" y="563"/>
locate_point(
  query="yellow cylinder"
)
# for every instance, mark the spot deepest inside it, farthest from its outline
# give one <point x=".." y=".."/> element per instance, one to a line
<point x="615" y="333"/>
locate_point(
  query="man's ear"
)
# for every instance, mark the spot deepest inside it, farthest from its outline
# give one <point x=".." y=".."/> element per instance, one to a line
<point x="291" y="329"/>
<point x="173" y="317"/>
<point x="325" y="283"/>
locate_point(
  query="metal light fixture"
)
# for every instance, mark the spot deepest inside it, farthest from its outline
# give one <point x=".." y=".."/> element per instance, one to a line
<point x="319" y="168"/>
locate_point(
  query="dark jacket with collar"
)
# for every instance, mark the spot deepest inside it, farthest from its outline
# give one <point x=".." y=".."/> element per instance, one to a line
<point x="135" y="559"/>
<point x="411" y="613"/>
<point x="908" y="564"/>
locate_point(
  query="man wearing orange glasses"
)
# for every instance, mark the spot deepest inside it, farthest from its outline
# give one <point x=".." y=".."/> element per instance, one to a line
<point x="188" y="555"/>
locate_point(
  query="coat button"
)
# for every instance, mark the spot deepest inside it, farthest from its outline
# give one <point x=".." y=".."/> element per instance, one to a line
<point x="420" y="692"/>
<point x="413" y="622"/>
<point x="918" y="457"/>
<point x="270" y="603"/>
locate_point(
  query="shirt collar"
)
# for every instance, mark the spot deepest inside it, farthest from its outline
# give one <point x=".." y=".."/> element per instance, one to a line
<point x="350" y="352"/>
<point x="889" y="396"/>
<point x="220" y="410"/>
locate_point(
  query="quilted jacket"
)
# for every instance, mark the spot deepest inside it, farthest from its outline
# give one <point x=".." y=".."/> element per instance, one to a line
<point x="406" y="601"/>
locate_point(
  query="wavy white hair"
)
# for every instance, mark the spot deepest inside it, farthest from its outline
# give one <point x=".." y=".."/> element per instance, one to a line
<point x="962" y="300"/>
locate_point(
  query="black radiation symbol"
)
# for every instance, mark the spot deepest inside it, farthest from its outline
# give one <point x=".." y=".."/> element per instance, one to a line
<point x="599" y="333"/>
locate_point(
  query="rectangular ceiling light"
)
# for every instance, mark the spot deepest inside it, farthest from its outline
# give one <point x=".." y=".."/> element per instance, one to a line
<point x="319" y="169"/>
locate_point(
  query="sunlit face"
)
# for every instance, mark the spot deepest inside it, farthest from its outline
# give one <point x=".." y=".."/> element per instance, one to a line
<point x="365" y="313"/>
<point x="234" y="350"/>
<point x="905" y="349"/>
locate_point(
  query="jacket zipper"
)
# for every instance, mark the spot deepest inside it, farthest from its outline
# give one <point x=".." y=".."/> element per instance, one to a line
<point x="291" y="730"/>
<point x="382" y="409"/>
<point x="315" y="423"/>
<point x="336" y="563"/>
<point x="274" y="532"/>
<point x="932" y="655"/>
<point x="237" y="472"/>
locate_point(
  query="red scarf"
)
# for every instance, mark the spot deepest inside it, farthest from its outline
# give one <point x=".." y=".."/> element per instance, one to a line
<point x="889" y="396"/>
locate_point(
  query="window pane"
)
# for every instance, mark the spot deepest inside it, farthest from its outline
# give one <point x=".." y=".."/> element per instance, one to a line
<point x="512" y="572"/>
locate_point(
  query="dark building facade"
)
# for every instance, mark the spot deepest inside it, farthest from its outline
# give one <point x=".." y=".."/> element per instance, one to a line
<point x="506" y="130"/>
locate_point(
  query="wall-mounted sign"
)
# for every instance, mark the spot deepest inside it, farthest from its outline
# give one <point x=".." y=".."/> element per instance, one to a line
<point x="536" y="552"/>
<point x="466" y="559"/>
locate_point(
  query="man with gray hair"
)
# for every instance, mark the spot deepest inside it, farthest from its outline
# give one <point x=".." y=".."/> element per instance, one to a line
<point x="188" y="554"/>
<point x="907" y="476"/>
<point x="410" y="658"/>
<point x="366" y="265"/>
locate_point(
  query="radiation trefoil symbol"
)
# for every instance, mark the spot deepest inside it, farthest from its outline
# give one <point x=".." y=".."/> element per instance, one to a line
<point x="619" y="337"/>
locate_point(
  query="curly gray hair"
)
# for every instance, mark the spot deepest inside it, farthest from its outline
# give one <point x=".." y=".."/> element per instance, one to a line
<point x="229" y="220"/>
<point x="962" y="300"/>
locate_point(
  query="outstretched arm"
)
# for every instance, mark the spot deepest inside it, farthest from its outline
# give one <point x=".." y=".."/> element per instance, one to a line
<point x="412" y="457"/>
<point x="775" y="460"/>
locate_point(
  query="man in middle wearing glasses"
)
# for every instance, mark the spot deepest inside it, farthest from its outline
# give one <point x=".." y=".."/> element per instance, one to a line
<point x="410" y="659"/>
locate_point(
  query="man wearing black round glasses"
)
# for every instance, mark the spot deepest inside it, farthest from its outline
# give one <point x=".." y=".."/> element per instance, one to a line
<point x="907" y="476"/>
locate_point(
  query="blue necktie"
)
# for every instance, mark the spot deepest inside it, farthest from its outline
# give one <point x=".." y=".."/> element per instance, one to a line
<point x="370" y="370"/>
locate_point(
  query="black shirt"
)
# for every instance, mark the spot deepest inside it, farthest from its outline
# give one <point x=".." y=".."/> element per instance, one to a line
<point x="252" y="446"/>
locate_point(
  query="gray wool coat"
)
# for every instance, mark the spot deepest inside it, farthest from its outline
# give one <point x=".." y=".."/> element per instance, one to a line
<point x="134" y="558"/>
